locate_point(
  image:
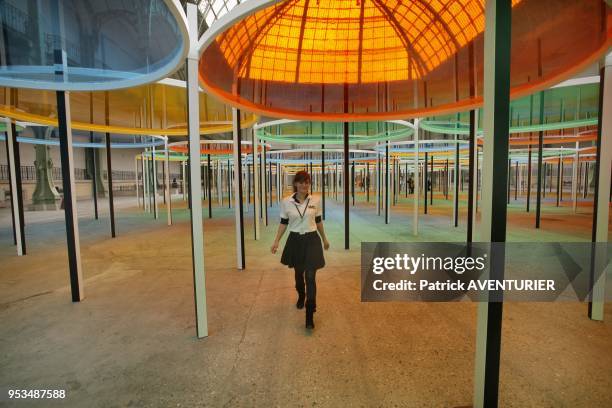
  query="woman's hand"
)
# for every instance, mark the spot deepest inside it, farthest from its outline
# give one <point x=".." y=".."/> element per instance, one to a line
<point x="274" y="247"/>
<point x="326" y="244"/>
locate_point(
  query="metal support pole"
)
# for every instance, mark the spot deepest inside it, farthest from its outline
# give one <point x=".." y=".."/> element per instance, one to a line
<point x="601" y="208"/>
<point x="94" y="187"/>
<point x="109" y="170"/>
<point x="496" y="143"/>
<point x="456" y="185"/>
<point x="137" y="182"/>
<point x="14" y="162"/>
<point x="323" y="184"/>
<point x="256" y="194"/>
<point x="208" y="184"/>
<point x="154" y="179"/>
<point x="70" y="207"/>
<point x="425" y="183"/>
<point x="415" y="205"/>
<point x="541" y="175"/>
<point x="575" y="165"/>
<point x="167" y="174"/>
<point x="387" y="198"/>
<point x="345" y="174"/>
<point x="377" y="180"/>
<point x="473" y="152"/>
<point x="240" y="255"/>
<point x="195" y="185"/>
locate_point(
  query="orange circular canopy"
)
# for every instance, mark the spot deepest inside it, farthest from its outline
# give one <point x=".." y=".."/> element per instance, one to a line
<point x="388" y="59"/>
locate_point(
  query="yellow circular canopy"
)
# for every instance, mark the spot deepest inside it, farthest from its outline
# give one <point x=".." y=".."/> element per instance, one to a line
<point x="387" y="59"/>
<point x="155" y="109"/>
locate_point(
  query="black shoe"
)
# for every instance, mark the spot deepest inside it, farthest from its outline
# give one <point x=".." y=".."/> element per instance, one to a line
<point x="300" y="301"/>
<point x="309" y="318"/>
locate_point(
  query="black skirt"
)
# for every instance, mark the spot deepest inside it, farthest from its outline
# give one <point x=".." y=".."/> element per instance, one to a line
<point x="303" y="251"/>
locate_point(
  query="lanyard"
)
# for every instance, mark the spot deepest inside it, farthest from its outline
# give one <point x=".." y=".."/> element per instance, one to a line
<point x="305" y="208"/>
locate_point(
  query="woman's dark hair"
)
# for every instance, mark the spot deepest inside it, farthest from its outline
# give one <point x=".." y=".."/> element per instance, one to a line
<point x="300" y="177"/>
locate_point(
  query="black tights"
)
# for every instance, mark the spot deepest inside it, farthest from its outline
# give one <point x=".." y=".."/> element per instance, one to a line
<point x="310" y="289"/>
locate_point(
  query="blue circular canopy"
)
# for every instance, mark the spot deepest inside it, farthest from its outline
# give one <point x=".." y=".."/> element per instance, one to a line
<point x="90" y="45"/>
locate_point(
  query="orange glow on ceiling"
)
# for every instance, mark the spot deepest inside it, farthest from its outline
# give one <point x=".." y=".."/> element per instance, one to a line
<point x="350" y="41"/>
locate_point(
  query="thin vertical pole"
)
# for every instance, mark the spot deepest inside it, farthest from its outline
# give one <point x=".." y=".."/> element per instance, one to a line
<point x="208" y="184"/>
<point x="559" y="180"/>
<point x="322" y="180"/>
<point x="238" y="209"/>
<point x="68" y="184"/>
<point x="601" y="208"/>
<point x="256" y="180"/>
<point x="472" y="176"/>
<point x="497" y="39"/>
<point x="415" y="202"/>
<point x="94" y="187"/>
<point x="137" y="182"/>
<point x="111" y="204"/>
<point x="195" y="185"/>
<point x="345" y="182"/>
<point x="540" y="175"/>
<point x="456" y="185"/>
<point x="14" y="161"/>
<point x="431" y="171"/>
<point x="167" y="182"/>
<point x="425" y="184"/>
<point x="575" y="165"/>
<point x="516" y="180"/>
<point x="387" y="198"/>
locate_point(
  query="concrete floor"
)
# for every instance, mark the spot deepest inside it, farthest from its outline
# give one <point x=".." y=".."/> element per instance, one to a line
<point x="131" y="341"/>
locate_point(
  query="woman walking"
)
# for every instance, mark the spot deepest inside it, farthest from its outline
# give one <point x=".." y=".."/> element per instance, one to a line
<point x="301" y="214"/>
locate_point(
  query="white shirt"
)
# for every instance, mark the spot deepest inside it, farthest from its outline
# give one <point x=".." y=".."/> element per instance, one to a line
<point x="302" y="216"/>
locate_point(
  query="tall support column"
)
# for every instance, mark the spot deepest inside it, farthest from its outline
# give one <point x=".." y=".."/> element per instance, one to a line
<point x="264" y="192"/>
<point x="456" y="185"/>
<point x="154" y="180"/>
<point x="377" y="180"/>
<point x="137" y="182"/>
<point x="218" y="172"/>
<point x="425" y="182"/>
<point x="601" y="209"/>
<point x="208" y="184"/>
<point x="575" y="165"/>
<point x="14" y="162"/>
<point x="473" y="157"/>
<point x="195" y="185"/>
<point x="367" y="181"/>
<point x="145" y="180"/>
<point x="109" y="170"/>
<point x="70" y="208"/>
<point x="279" y="189"/>
<point x="541" y="175"/>
<point x="432" y="174"/>
<point x="417" y="185"/>
<point x="516" y="180"/>
<point x="345" y="181"/>
<point x="256" y="179"/>
<point x="167" y="174"/>
<point x="238" y="209"/>
<point x="353" y="181"/>
<point x="496" y="140"/>
<point x="559" y="164"/>
<point x="322" y="180"/>
<point x="183" y="181"/>
<point x="229" y="185"/>
<point x="387" y="198"/>
<point x="94" y="177"/>
<point x="529" y="154"/>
